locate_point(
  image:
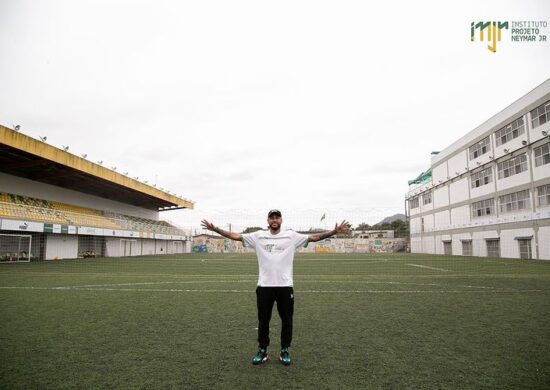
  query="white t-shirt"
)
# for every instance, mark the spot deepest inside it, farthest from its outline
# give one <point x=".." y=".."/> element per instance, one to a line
<point x="275" y="255"/>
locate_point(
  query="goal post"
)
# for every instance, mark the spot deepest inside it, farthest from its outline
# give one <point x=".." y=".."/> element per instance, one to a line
<point x="15" y="248"/>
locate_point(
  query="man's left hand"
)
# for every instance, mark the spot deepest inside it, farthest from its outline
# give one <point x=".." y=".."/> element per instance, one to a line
<point x="342" y="228"/>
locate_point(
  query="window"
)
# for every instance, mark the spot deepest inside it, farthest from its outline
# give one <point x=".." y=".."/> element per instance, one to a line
<point x="512" y="166"/>
<point x="510" y="131"/>
<point x="414" y="203"/>
<point x="480" y="148"/>
<point x="481" y="178"/>
<point x="483" y="208"/>
<point x="422" y="225"/>
<point x="427" y="198"/>
<point x="493" y="248"/>
<point x="447" y="248"/>
<point x="467" y="248"/>
<point x="524" y="248"/>
<point x="543" y="195"/>
<point x="540" y="115"/>
<point x="542" y="155"/>
<point x="514" y="202"/>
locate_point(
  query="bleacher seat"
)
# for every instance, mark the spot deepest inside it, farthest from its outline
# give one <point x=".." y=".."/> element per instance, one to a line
<point x="27" y="208"/>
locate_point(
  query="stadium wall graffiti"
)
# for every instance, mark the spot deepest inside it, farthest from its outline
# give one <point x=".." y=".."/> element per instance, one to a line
<point x="214" y="244"/>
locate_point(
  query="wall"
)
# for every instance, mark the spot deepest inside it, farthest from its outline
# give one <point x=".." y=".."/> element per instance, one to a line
<point x="439" y="173"/>
<point x="509" y="246"/>
<point x="460" y="216"/>
<point x="441" y="197"/>
<point x="542" y="171"/>
<point x="147" y="247"/>
<point x="428" y="245"/>
<point x="479" y="245"/>
<point x="459" y="190"/>
<point x="416" y="245"/>
<point x="544" y="242"/>
<point x="457" y="242"/>
<point x="61" y="246"/>
<point x="458" y="164"/>
<point x="204" y="244"/>
<point x="119" y="247"/>
<point x="442" y="220"/>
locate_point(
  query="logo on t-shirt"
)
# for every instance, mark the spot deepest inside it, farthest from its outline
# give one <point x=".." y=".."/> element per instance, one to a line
<point x="273" y="248"/>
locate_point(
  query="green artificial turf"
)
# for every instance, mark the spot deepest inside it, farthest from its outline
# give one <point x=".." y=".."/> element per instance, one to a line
<point x="361" y="321"/>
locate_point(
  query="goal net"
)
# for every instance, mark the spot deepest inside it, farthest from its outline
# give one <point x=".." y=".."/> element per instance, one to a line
<point x="15" y="248"/>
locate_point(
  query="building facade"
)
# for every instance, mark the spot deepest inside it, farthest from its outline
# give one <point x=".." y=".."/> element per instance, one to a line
<point x="488" y="193"/>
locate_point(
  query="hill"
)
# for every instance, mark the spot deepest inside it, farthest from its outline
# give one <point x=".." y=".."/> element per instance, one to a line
<point x="396" y="217"/>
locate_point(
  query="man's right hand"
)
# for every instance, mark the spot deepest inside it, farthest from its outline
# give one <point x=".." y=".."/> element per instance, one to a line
<point x="208" y="225"/>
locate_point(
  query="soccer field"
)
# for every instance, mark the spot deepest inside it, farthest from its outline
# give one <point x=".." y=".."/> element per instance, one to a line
<point x="361" y="321"/>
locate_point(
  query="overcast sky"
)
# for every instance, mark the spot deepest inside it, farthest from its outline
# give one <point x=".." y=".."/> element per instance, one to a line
<point x="308" y="106"/>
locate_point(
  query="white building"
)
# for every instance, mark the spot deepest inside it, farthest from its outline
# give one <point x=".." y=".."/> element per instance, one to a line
<point x="373" y="234"/>
<point x="488" y="193"/>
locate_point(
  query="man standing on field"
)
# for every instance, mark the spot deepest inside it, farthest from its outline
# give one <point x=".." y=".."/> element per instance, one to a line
<point x="275" y="251"/>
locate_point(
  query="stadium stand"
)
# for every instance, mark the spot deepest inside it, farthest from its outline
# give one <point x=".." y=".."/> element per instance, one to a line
<point x="129" y="222"/>
<point x="20" y="206"/>
<point x="57" y="205"/>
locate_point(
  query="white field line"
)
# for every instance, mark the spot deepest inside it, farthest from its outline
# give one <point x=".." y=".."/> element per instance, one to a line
<point x="253" y="260"/>
<point x="171" y="282"/>
<point x="251" y="291"/>
<point x="254" y="280"/>
<point x="296" y="275"/>
<point x="400" y="283"/>
<point x="346" y="262"/>
<point x="425" y="266"/>
<point x="341" y="260"/>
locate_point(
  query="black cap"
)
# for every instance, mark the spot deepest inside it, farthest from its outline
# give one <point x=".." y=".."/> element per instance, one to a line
<point x="274" y="211"/>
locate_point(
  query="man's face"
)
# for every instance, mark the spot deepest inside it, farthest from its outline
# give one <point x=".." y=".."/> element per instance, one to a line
<point x="274" y="221"/>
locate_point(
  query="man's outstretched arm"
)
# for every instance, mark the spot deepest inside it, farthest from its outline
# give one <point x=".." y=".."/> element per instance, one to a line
<point x="210" y="226"/>
<point x="338" y="229"/>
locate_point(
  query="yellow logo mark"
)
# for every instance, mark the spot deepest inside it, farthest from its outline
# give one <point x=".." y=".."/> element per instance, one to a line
<point x="494" y="32"/>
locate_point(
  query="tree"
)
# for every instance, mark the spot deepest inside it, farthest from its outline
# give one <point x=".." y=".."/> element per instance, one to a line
<point x="363" y="226"/>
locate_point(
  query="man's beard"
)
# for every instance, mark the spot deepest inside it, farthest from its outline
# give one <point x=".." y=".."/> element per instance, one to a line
<point x="274" y="226"/>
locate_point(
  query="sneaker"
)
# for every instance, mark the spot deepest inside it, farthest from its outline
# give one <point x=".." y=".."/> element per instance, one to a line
<point x="284" y="357"/>
<point x="261" y="357"/>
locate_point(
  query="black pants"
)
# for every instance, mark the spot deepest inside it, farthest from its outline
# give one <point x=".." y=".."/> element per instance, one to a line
<point x="265" y="298"/>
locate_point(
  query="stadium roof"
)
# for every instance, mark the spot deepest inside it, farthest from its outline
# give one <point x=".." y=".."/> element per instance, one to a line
<point x="23" y="156"/>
